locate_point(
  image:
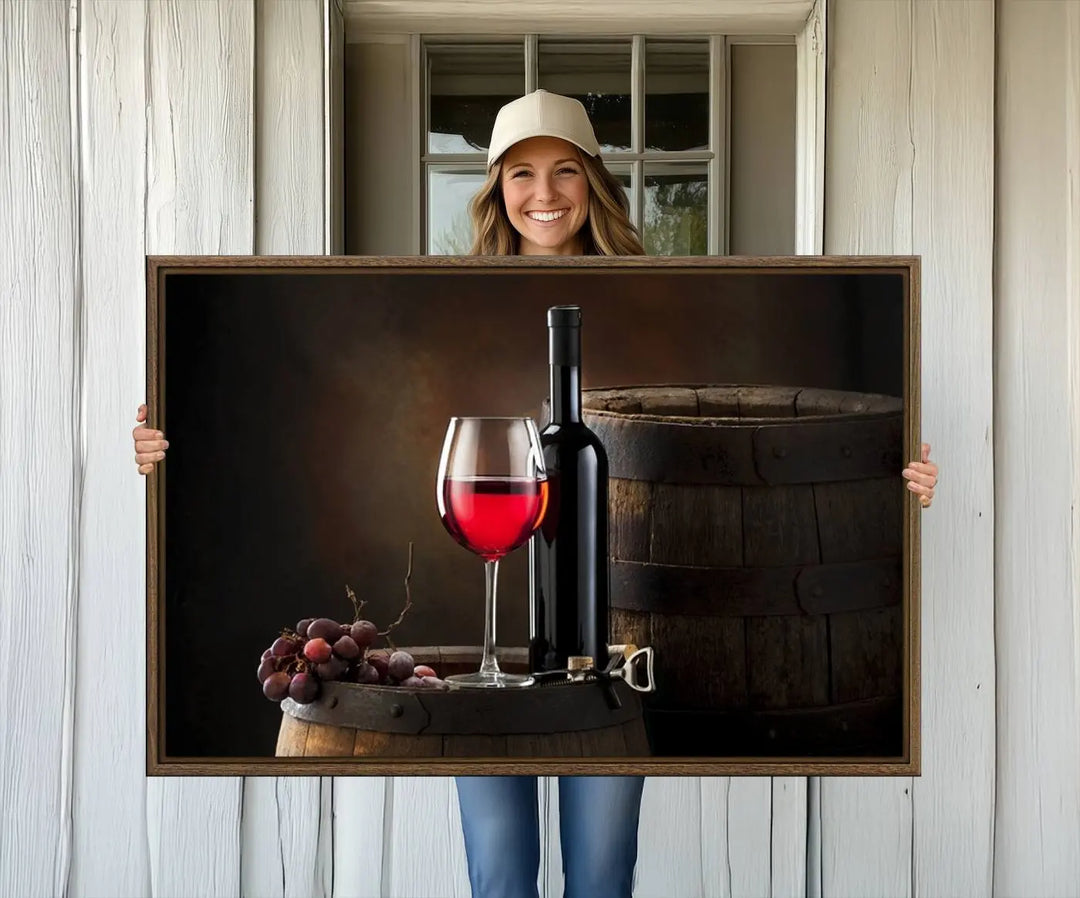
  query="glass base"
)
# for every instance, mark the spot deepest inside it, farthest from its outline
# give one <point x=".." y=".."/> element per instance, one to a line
<point x="493" y="680"/>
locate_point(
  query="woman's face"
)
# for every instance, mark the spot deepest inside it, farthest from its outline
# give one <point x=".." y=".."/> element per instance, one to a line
<point x="546" y="195"/>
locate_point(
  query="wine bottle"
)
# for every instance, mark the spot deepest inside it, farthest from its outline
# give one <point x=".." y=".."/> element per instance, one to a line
<point x="569" y="552"/>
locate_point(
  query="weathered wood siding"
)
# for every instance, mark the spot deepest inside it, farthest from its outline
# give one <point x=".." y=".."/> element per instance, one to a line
<point x="41" y="445"/>
<point x="909" y="169"/>
<point x="1036" y="445"/>
<point x="109" y="826"/>
<point x="132" y="128"/>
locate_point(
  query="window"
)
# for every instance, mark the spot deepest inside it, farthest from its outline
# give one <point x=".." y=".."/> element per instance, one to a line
<point x="701" y="131"/>
<point x="660" y="108"/>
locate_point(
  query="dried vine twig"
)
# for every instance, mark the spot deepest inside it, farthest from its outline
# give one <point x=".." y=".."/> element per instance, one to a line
<point x="408" y="602"/>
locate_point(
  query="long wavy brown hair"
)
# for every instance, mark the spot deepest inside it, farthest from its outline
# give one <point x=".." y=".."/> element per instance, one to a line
<point x="607" y="231"/>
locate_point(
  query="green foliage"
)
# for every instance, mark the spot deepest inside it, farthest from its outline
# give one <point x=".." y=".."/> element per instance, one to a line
<point x="676" y="217"/>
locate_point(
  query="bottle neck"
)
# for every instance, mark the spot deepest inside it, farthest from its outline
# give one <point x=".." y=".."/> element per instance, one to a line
<point x="564" y="357"/>
<point x="565" y="394"/>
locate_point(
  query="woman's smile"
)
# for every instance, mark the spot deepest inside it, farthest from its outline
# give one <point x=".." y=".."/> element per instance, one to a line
<point x="546" y="217"/>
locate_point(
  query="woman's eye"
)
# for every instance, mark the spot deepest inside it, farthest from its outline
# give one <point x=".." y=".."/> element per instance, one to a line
<point x="519" y="174"/>
<point x="567" y="171"/>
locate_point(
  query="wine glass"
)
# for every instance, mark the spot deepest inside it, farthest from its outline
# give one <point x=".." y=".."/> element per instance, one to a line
<point x="492" y="492"/>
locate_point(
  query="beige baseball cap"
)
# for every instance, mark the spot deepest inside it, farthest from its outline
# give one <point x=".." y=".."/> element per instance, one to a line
<point x="542" y="114"/>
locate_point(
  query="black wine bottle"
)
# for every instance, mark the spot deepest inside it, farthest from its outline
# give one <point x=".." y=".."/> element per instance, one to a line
<point x="569" y="552"/>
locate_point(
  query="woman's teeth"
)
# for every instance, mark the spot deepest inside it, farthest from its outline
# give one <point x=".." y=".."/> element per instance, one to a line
<point x="546" y="216"/>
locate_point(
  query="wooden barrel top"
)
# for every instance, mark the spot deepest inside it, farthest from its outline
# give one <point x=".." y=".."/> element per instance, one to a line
<point x="736" y="403"/>
<point x="788" y="435"/>
<point x="549" y="709"/>
<point x="577" y="707"/>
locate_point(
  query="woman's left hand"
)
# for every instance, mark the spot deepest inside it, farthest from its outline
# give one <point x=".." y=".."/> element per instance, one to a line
<point x="922" y="477"/>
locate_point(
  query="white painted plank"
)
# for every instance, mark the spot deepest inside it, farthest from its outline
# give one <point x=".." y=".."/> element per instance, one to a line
<point x="736" y="823"/>
<point x="199" y="156"/>
<point x="281" y="834"/>
<point x="194" y="836"/>
<point x="866" y="837"/>
<point x="670" y="839"/>
<point x="865" y="834"/>
<point x="813" y="837"/>
<point x="284" y="849"/>
<point x="575" y="16"/>
<point x="868" y="150"/>
<point x="289" y="111"/>
<point x="109" y="826"/>
<point x="425" y="854"/>
<point x="789" y="835"/>
<point x="40" y="447"/>
<point x="359" y="821"/>
<point x="199" y="200"/>
<point x="262" y="861"/>
<point x="749" y="814"/>
<point x="1037" y="449"/>
<point x="952" y="114"/>
<point x="715" y="839"/>
<point x="324" y="862"/>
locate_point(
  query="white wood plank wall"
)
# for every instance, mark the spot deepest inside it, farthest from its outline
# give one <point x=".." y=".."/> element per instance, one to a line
<point x="41" y="459"/>
<point x="179" y="127"/>
<point x="910" y="154"/>
<point x="109" y="838"/>
<point x="1037" y="450"/>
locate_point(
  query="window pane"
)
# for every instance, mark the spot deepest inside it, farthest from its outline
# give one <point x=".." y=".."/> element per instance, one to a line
<point x="449" y="226"/>
<point x="676" y="210"/>
<point x="677" y="95"/>
<point x="597" y="74"/>
<point x="468" y="84"/>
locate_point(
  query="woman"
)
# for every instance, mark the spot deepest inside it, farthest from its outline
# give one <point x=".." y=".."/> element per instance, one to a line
<point x="548" y="193"/>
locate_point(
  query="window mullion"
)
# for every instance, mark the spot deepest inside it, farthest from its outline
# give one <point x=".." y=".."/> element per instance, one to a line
<point x="420" y="145"/>
<point x="718" y="143"/>
<point x="531" y="62"/>
<point x="637" y="128"/>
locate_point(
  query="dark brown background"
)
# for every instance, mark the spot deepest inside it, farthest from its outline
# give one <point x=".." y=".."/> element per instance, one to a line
<point x="306" y="411"/>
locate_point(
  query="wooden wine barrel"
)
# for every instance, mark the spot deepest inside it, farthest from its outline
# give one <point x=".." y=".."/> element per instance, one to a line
<point x="756" y="545"/>
<point x="571" y="721"/>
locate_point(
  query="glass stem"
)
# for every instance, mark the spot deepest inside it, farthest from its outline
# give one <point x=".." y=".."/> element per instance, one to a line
<point x="491" y="574"/>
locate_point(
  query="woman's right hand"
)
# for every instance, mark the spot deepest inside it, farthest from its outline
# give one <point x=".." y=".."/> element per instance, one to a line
<point x="150" y="444"/>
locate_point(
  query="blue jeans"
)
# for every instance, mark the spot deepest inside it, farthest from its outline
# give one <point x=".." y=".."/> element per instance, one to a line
<point x="598" y="823"/>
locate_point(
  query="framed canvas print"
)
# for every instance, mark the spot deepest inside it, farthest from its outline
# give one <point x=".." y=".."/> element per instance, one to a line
<point x="315" y="593"/>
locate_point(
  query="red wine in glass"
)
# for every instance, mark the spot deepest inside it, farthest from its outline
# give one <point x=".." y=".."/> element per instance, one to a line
<point x="493" y="515"/>
<point x="492" y="493"/>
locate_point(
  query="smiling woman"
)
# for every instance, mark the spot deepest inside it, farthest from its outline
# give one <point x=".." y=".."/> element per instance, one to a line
<point x="547" y="191"/>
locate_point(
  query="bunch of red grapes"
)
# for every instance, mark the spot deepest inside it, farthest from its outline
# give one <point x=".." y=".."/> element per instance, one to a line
<point x="320" y="650"/>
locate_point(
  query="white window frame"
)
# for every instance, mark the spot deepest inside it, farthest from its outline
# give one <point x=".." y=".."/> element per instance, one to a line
<point x="770" y="21"/>
<point x="714" y="160"/>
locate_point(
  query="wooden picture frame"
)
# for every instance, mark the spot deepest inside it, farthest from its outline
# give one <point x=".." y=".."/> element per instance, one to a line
<point x="302" y="397"/>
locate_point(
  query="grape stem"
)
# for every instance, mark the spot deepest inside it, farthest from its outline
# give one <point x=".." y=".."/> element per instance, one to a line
<point x="294" y="664"/>
<point x="356" y="605"/>
<point x="408" y="602"/>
